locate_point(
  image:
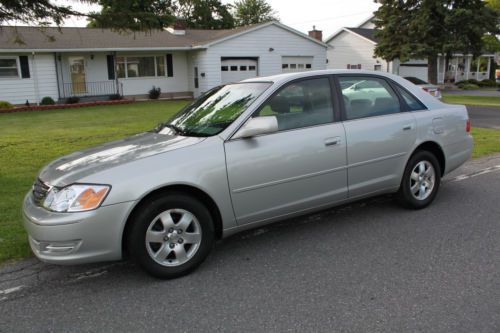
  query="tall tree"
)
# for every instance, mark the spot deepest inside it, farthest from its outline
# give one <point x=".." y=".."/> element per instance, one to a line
<point x="40" y="12"/>
<point x="428" y="28"/>
<point x="205" y="14"/>
<point x="132" y="14"/>
<point x="253" y="11"/>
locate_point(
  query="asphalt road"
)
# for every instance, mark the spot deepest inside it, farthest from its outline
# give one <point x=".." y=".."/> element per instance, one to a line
<point x="484" y="116"/>
<point x="367" y="267"/>
<point x="474" y="92"/>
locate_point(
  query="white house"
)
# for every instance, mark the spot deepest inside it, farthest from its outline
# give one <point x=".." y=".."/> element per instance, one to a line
<point x="87" y="62"/>
<point x="353" y="48"/>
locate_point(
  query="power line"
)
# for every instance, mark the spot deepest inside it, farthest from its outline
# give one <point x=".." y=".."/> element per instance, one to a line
<point x="332" y="18"/>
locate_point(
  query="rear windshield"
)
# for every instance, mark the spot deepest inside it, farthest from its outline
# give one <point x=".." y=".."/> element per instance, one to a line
<point x="415" y="80"/>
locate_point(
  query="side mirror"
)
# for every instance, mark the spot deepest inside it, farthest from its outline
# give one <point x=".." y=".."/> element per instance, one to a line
<point x="256" y="126"/>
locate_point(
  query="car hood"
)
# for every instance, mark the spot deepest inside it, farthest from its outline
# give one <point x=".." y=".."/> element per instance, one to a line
<point x="73" y="167"/>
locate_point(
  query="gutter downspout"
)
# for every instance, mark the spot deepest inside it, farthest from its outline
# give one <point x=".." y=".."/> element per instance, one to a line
<point x="57" y="77"/>
<point x="35" y="78"/>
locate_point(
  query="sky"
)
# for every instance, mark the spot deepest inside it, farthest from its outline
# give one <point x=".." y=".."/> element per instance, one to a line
<point x="326" y="15"/>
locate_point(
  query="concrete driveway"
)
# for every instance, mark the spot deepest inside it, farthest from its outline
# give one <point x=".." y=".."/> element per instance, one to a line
<point x="367" y="267"/>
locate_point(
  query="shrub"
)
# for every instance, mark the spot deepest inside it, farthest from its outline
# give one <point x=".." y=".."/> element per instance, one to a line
<point x="115" y="97"/>
<point x="154" y="93"/>
<point x="487" y="83"/>
<point x="468" y="86"/>
<point x="473" y="81"/>
<point x="47" y="100"/>
<point x="72" y="100"/>
<point x="5" y="105"/>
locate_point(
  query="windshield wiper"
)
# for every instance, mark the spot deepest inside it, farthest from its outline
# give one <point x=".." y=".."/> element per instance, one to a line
<point x="178" y="130"/>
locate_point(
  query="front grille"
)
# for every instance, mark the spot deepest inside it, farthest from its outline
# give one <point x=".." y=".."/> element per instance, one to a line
<point x="40" y="190"/>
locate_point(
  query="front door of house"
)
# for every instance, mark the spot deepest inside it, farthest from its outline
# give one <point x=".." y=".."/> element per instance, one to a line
<point x="77" y="72"/>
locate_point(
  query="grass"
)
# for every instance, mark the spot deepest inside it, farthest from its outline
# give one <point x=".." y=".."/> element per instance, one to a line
<point x="472" y="100"/>
<point x="486" y="141"/>
<point x="30" y="140"/>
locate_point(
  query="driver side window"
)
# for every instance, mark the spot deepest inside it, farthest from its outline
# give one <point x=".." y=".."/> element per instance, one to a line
<point x="301" y="104"/>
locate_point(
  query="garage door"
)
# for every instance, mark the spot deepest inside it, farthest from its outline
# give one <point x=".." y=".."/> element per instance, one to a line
<point x="234" y="70"/>
<point x="415" y="71"/>
<point x="296" y="64"/>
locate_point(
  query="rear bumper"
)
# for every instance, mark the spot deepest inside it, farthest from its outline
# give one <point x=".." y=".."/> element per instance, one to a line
<point x="458" y="153"/>
<point x="75" y="238"/>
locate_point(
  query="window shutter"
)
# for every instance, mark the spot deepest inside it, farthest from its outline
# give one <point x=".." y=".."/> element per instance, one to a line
<point x="170" y="66"/>
<point x="25" y="67"/>
<point x="111" y="67"/>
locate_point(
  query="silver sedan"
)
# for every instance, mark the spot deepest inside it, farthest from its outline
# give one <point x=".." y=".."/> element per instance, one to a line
<point x="241" y="156"/>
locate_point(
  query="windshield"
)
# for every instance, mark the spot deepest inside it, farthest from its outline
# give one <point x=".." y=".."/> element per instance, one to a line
<point x="215" y="110"/>
<point x="415" y="80"/>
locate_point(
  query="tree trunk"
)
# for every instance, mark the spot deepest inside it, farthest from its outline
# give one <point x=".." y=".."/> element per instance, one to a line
<point x="432" y="72"/>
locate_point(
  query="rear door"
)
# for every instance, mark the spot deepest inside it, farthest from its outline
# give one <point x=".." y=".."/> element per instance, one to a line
<point x="298" y="168"/>
<point x="379" y="132"/>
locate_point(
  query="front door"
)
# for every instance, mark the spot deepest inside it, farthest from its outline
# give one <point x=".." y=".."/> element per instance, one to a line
<point x="298" y="168"/>
<point x="77" y="71"/>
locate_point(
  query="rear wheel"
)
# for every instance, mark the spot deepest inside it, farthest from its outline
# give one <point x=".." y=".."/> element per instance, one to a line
<point x="171" y="235"/>
<point x="421" y="180"/>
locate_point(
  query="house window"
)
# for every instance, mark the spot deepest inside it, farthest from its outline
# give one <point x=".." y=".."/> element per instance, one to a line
<point x="308" y="66"/>
<point x="358" y="66"/>
<point x="377" y="67"/>
<point x="9" y="68"/>
<point x="243" y="68"/>
<point x="251" y="68"/>
<point x="127" y="67"/>
<point x="234" y="68"/>
<point x="224" y="68"/>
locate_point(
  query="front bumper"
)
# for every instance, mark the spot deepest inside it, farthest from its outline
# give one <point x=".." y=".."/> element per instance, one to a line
<point x="76" y="238"/>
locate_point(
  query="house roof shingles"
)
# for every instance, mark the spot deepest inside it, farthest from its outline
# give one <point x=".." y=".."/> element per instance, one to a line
<point x="366" y="33"/>
<point x="34" y="38"/>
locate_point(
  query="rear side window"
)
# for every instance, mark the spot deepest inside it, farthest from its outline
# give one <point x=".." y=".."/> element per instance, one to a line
<point x="301" y="104"/>
<point x="368" y="97"/>
<point x="411" y="101"/>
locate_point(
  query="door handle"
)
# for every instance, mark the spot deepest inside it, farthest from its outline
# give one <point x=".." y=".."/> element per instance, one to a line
<point x="332" y="141"/>
<point x="407" y="127"/>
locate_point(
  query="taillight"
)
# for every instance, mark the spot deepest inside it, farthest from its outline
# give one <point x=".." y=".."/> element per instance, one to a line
<point x="467" y="126"/>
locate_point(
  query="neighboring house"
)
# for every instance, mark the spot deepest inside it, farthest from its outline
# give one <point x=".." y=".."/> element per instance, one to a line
<point x="183" y="63"/>
<point x="353" y="48"/>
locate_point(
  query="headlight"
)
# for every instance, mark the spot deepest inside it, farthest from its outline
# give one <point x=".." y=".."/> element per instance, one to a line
<point x="75" y="198"/>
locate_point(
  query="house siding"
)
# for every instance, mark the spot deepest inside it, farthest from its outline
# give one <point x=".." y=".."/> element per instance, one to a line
<point x="96" y="70"/>
<point x="257" y="44"/>
<point x="347" y="48"/>
<point x="42" y="81"/>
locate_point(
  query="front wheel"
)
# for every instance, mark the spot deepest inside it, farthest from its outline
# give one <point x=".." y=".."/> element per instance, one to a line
<point x="171" y="235"/>
<point x="421" y="180"/>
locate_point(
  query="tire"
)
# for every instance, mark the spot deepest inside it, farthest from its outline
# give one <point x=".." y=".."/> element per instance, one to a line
<point x="171" y="235"/>
<point x="421" y="180"/>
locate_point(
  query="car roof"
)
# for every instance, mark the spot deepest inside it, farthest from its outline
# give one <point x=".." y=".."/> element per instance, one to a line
<point x="285" y="77"/>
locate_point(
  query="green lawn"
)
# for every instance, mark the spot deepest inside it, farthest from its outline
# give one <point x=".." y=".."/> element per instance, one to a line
<point x="472" y="100"/>
<point x="29" y="140"/>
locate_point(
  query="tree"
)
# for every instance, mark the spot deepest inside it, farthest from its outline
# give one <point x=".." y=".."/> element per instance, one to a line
<point x="253" y="11"/>
<point x="40" y="12"/>
<point x="204" y="14"/>
<point x="428" y="28"/>
<point x="133" y="15"/>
